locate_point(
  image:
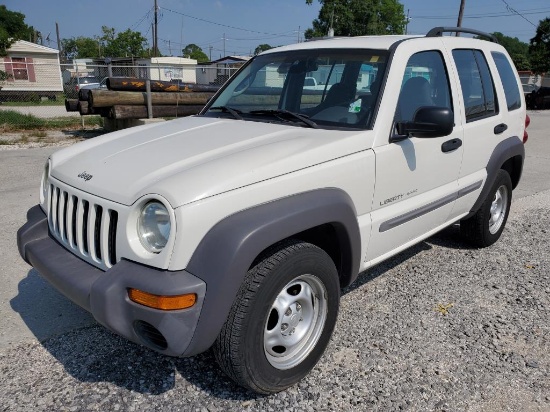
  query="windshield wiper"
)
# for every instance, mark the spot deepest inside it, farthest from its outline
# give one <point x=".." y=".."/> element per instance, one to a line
<point x="281" y="114"/>
<point x="226" y="109"/>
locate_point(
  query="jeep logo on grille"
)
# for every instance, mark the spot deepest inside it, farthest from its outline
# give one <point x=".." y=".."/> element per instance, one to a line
<point x="85" y="176"/>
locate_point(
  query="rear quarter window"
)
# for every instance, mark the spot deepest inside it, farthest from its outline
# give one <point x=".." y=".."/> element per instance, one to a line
<point x="509" y="82"/>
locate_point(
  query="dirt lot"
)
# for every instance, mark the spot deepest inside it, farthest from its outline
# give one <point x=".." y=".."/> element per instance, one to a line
<point x="439" y="327"/>
<point x="32" y="139"/>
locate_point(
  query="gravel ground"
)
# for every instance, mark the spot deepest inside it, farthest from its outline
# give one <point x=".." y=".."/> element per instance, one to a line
<point x="440" y="327"/>
<point x="32" y="139"/>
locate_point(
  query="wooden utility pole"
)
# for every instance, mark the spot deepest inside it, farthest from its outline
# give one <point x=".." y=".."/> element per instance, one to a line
<point x="58" y="39"/>
<point x="460" y="14"/>
<point x="156" y="41"/>
<point x="153" y="36"/>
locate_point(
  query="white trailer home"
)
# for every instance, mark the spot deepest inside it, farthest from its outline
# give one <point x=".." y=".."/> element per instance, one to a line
<point x="168" y="68"/>
<point x="33" y="72"/>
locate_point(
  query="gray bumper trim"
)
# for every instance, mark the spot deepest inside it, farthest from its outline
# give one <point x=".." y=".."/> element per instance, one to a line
<point x="105" y="295"/>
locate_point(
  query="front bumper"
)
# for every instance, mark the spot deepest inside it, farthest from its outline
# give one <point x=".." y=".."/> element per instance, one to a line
<point x="105" y="294"/>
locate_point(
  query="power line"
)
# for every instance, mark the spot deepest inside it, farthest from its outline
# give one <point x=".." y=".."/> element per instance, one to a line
<point x="147" y="15"/>
<point x="509" y="8"/>
<point x="217" y="24"/>
<point x="165" y="41"/>
<point x="475" y="16"/>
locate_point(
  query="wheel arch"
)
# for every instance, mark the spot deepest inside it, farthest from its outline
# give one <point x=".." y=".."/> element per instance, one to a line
<point x="508" y="155"/>
<point x="324" y="217"/>
<point x="514" y="167"/>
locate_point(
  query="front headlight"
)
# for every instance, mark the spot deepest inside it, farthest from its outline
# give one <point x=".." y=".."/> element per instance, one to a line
<point x="44" y="182"/>
<point x="154" y="226"/>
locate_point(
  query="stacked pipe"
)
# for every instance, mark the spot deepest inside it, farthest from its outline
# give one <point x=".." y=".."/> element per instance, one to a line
<point x="125" y="98"/>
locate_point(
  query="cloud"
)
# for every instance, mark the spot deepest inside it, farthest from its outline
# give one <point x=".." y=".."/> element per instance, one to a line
<point x="219" y="4"/>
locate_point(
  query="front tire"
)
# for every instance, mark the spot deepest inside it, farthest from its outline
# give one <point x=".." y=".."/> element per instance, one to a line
<point x="282" y="318"/>
<point x="485" y="227"/>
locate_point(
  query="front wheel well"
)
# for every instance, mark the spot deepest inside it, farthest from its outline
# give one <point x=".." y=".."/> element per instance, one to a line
<point x="327" y="238"/>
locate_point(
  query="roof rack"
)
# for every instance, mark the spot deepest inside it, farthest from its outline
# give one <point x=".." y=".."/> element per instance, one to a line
<point x="438" y="32"/>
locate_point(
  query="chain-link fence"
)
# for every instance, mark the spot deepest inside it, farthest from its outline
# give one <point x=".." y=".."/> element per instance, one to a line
<point x="35" y="92"/>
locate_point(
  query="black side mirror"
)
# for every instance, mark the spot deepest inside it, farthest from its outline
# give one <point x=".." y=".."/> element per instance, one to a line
<point x="428" y="121"/>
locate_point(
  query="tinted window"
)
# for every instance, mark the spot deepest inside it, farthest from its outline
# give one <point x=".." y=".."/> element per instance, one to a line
<point x="478" y="89"/>
<point x="509" y="82"/>
<point x="333" y="88"/>
<point x="425" y="83"/>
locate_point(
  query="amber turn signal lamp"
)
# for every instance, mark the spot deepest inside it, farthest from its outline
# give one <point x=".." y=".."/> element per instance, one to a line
<point x="162" y="302"/>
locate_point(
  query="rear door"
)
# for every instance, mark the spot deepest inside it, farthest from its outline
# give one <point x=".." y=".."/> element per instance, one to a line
<point x="493" y="111"/>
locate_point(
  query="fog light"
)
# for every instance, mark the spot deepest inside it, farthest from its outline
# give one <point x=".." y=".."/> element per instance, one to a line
<point x="162" y="302"/>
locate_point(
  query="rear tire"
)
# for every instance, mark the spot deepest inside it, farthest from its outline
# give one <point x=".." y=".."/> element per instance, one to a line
<point x="485" y="227"/>
<point x="282" y="318"/>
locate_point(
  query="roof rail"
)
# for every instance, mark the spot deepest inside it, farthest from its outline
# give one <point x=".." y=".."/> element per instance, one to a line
<point x="438" y="32"/>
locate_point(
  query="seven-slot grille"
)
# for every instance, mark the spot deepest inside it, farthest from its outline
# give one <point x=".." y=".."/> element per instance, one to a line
<point x="85" y="227"/>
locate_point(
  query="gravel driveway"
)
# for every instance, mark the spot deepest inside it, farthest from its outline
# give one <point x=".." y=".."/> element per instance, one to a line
<point x="439" y="327"/>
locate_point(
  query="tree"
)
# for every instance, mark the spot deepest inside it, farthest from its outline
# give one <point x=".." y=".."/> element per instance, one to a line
<point x="262" y="48"/>
<point x="12" y="28"/>
<point x="80" y="48"/>
<point x="195" y="52"/>
<point x="539" y="48"/>
<point x="358" y="17"/>
<point x="518" y="50"/>
<point x="124" y="44"/>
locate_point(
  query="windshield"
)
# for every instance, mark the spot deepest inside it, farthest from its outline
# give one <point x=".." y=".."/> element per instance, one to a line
<point x="328" y="87"/>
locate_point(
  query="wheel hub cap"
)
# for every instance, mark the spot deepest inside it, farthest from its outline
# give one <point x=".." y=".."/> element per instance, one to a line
<point x="497" y="212"/>
<point x="295" y="322"/>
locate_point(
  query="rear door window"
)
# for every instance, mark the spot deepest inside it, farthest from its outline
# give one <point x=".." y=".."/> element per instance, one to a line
<point x="509" y="82"/>
<point x="478" y="89"/>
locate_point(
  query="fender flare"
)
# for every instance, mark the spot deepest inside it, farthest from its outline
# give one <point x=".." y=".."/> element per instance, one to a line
<point x="506" y="149"/>
<point x="227" y="251"/>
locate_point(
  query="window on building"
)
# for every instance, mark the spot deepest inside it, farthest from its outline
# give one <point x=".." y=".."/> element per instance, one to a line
<point x="20" y="69"/>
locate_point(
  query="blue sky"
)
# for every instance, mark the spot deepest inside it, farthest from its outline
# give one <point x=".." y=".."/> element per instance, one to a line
<point x="276" y="22"/>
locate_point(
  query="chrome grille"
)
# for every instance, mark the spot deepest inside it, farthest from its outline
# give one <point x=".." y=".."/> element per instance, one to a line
<point x="86" y="228"/>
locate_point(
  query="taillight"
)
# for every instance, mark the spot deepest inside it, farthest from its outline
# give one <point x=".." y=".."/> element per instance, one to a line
<point x="525" y="134"/>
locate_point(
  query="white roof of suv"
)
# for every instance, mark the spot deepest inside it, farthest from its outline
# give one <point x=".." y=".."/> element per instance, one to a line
<point x="372" y="42"/>
<point x="376" y="42"/>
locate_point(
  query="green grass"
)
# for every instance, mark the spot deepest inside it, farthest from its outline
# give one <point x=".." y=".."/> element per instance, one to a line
<point x="11" y="121"/>
<point x="31" y="99"/>
<point x="58" y="102"/>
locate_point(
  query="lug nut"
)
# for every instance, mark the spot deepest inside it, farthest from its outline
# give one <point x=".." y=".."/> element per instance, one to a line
<point x="288" y="312"/>
<point x="298" y="306"/>
<point x="284" y="326"/>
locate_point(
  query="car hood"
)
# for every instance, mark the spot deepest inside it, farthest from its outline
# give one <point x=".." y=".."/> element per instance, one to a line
<point x="189" y="159"/>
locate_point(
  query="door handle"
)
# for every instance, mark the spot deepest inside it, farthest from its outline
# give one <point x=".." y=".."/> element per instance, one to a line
<point x="451" y="145"/>
<point x="500" y="128"/>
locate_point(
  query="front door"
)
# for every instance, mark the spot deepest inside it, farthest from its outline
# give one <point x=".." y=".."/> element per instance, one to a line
<point x="416" y="178"/>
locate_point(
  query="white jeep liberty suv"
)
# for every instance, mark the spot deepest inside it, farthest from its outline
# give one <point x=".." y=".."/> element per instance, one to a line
<point x="237" y="228"/>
